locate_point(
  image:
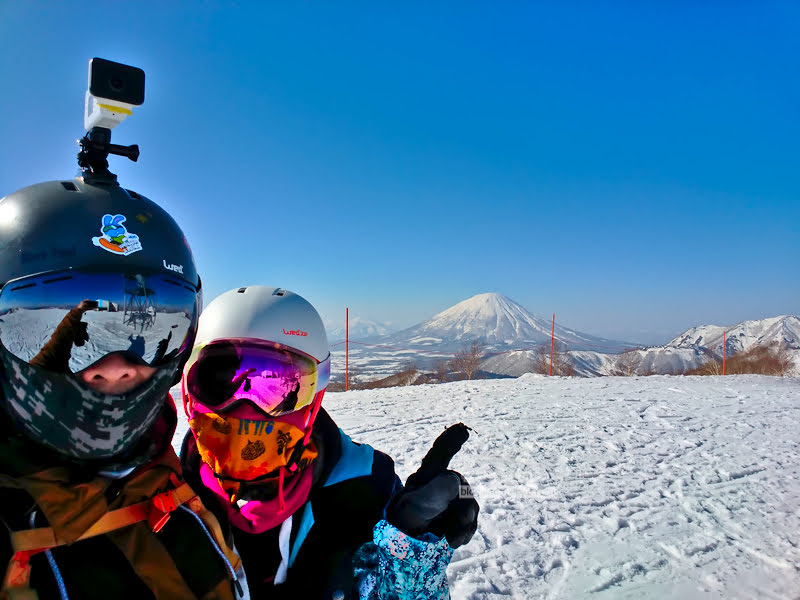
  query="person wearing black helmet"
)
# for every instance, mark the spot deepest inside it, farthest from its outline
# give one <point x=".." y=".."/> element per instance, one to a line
<point x="99" y="301"/>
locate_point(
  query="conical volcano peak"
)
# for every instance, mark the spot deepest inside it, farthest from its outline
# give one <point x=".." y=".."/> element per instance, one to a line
<point x="493" y="319"/>
<point x="482" y="304"/>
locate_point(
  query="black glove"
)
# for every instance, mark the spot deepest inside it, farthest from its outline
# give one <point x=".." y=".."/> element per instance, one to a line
<point x="81" y="334"/>
<point x="435" y="499"/>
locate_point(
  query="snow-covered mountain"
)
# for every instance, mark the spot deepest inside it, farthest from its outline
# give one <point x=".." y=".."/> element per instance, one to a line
<point x="498" y="322"/>
<point x="783" y="330"/>
<point x="502" y="325"/>
<point x="360" y="328"/>
<point x="512" y="335"/>
<point x="694" y="346"/>
<point x="687" y="351"/>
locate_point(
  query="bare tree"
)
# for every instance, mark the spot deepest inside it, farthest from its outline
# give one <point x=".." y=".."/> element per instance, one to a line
<point x="711" y="366"/>
<point x="354" y="373"/>
<point x="784" y="364"/>
<point x="467" y="360"/>
<point x="627" y="363"/>
<point x="770" y="359"/>
<point x="540" y="363"/>
<point x="441" y="370"/>
<point x="409" y="374"/>
<point x="562" y="363"/>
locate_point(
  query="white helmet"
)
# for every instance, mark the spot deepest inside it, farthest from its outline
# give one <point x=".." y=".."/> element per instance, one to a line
<point x="265" y="313"/>
<point x="259" y="344"/>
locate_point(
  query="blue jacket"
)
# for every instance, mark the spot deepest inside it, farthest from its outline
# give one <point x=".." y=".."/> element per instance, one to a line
<point x="340" y="546"/>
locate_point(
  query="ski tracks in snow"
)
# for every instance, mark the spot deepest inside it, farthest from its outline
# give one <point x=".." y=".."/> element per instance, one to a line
<point x="651" y="487"/>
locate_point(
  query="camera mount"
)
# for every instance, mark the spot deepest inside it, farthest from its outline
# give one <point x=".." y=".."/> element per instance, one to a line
<point x="95" y="147"/>
<point x="114" y="89"/>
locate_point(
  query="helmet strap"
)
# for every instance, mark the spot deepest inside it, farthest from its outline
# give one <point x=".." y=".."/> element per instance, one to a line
<point x="187" y="399"/>
<point x="312" y="416"/>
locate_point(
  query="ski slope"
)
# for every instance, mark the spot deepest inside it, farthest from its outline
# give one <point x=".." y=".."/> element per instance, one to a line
<point x="646" y="487"/>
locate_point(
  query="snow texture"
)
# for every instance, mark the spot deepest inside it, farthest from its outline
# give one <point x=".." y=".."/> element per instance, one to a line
<point x="615" y="487"/>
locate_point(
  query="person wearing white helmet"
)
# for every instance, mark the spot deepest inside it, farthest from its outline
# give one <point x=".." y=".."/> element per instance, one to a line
<point x="312" y="513"/>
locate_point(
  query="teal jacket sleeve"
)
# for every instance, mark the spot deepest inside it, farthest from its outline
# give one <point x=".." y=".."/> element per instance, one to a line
<point x="396" y="566"/>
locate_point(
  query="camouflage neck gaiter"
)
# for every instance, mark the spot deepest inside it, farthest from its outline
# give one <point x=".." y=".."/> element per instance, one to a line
<point x="58" y="411"/>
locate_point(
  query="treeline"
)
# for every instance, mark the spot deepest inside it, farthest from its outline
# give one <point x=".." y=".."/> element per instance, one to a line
<point x="465" y="365"/>
<point x="772" y="359"/>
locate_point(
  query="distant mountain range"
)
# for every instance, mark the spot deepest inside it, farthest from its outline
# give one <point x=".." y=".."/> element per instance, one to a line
<point x="360" y="329"/>
<point x="511" y="334"/>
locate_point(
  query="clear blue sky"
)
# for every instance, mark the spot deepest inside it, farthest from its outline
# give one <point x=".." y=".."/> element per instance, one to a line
<point x="632" y="167"/>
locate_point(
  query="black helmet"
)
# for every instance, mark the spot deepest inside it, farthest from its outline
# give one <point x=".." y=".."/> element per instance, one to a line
<point x="88" y="268"/>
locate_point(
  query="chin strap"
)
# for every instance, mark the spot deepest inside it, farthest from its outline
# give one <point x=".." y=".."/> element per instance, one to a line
<point x="187" y="400"/>
<point x="311" y="416"/>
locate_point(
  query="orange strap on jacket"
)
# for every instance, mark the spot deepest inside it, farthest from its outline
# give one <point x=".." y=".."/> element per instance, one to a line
<point x="27" y="543"/>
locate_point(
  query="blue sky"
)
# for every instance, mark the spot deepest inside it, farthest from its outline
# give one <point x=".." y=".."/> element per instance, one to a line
<point x="630" y="167"/>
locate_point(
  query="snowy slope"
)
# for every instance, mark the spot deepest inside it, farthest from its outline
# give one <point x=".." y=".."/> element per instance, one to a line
<point x="687" y="351"/>
<point x="784" y="329"/>
<point x="649" y="488"/>
<point x="692" y="348"/>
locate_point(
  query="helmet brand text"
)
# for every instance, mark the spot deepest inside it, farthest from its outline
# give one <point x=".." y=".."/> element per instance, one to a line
<point x="295" y="332"/>
<point x="171" y="267"/>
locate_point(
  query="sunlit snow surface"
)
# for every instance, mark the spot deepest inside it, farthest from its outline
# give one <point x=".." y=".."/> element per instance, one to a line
<point x="650" y="487"/>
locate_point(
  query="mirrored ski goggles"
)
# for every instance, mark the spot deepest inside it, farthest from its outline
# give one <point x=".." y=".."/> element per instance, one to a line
<point x="68" y="320"/>
<point x="275" y="379"/>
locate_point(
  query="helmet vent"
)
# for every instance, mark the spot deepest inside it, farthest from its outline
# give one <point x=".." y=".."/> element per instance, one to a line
<point x="279" y="292"/>
<point x="241" y="290"/>
<point x="133" y="194"/>
<point x="69" y="186"/>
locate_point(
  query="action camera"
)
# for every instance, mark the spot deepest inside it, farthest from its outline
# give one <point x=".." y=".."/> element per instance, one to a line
<point x="117" y="82"/>
<point x="114" y="89"/>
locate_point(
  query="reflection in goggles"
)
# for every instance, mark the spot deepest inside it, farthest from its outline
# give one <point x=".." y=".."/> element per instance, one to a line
<point x="67" y="321"/>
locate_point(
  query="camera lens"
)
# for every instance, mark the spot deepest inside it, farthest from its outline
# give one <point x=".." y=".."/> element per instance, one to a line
<point x="116" y="84"/>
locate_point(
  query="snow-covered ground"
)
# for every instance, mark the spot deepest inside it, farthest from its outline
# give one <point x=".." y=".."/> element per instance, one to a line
<point x="645" y="487"/>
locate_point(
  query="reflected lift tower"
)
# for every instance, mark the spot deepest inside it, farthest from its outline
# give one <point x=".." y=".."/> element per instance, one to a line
<point x="140" y="303"/>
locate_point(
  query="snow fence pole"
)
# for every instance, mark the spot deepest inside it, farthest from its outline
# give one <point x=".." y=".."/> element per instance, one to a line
<point x="346" y="349"/>
<point x="723" y="353"/>
<point x="552" y="340"/>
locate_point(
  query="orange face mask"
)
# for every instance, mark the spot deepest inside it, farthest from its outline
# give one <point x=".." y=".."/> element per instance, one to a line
<point x="246" y="449"/>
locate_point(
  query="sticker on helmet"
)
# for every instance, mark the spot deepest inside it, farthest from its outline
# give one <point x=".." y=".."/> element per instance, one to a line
<point x="115" y="236"/>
